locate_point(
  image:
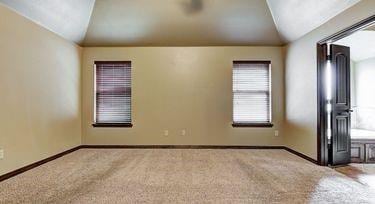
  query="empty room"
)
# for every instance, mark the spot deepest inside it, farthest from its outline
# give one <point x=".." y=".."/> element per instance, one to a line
<point x="187" y="101"/>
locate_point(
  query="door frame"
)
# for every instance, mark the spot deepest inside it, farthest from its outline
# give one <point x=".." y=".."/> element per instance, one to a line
<point x="322" y="53"/>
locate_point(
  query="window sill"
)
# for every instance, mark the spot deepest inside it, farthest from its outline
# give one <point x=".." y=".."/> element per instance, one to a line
<point x="266" y="125"/>
<point x="119" y="125"/>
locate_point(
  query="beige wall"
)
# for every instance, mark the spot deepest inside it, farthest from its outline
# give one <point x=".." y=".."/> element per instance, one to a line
<point x="300" y="78"/>
<point x="177" y="88"/>
<point x="174" y="88"/>
<point x="40" y="92"/>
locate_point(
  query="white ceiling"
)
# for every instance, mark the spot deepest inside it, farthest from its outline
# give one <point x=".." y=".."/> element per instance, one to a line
<point x="67" y="18"/>
<point x="179" y="22"/>
<point x="361" y="43"/>
<point x="295" y="18"/>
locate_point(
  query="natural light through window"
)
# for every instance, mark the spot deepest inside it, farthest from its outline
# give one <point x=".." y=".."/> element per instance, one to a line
<point x="251" y="92"/>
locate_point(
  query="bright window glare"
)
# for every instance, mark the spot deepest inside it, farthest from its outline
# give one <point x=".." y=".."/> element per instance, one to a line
<point x="368" y="180"/>
<point x="329" y="96"/>
<point x="329" y="80"/>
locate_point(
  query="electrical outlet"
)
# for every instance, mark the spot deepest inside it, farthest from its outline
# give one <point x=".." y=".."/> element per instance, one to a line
<point x="1" y="154"/>
<point x="166" y="132"/>
<point x="183" y="132"/>
<point x="276" y="133"/>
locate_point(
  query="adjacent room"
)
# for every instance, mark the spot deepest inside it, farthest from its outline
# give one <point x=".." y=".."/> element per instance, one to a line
<point x="187" y="101"/>
<point x="362" y="75"/>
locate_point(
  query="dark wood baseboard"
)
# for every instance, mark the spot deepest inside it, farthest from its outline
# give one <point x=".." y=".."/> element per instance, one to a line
<point x="178" y="147"/>
<point x="36" y="164"/>
<point x="301" y="155"/>
<point x="41" y="162"/>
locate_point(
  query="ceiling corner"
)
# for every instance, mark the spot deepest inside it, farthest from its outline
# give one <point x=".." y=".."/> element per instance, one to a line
<point x="68" y="19"/>
<point x="295" y="18"/>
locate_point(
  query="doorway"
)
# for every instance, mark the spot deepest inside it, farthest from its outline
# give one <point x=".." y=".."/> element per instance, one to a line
<point x="342" y="136"/>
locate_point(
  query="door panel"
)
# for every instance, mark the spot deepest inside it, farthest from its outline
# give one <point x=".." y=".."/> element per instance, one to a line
<point x="340" y="145"/>
<point x="370" y="153"/>
<point x="342" y="133"/>
<point x="342" y="70"/>
<point x="357" y="153"/>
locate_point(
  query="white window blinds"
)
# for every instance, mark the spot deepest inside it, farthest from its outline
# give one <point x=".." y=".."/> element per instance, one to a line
<point x="113" y="92"/>
<point x="251" y="92"/>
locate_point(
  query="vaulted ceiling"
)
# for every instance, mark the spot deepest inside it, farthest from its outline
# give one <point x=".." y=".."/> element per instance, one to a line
<point x="67" y="18"/>
<point x="295" y="18"/>
<point x="179" y="22"/>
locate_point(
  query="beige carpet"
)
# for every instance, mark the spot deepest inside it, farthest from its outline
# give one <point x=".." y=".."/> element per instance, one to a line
<point x="182" y="176"/>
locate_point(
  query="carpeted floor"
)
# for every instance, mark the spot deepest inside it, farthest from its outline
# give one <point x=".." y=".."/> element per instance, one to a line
<point x="182" y="176"/>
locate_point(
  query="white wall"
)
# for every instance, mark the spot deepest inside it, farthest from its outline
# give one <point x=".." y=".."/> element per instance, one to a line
<point x="353" y="95"/>
<point x="301" y="79"/>
<point x="364" y="79"/>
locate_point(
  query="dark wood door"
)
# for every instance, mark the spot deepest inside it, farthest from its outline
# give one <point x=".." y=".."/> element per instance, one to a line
<point x="340" y="120"/>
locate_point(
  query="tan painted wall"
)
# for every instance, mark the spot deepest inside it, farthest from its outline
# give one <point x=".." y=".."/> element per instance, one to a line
<point x="40" y="92"/>
<point x="300" y="78"/>
<point x="174" y="88"/>
<point x="177" y="88"/>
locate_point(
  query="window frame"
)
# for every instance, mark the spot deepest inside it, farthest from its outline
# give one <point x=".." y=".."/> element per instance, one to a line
<point x="110" y="124"/>
<point x="262" y="124"/>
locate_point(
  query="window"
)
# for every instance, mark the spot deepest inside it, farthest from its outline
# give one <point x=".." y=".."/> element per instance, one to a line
<point x="252" y="93"/>
<point x="112" y="94"/>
